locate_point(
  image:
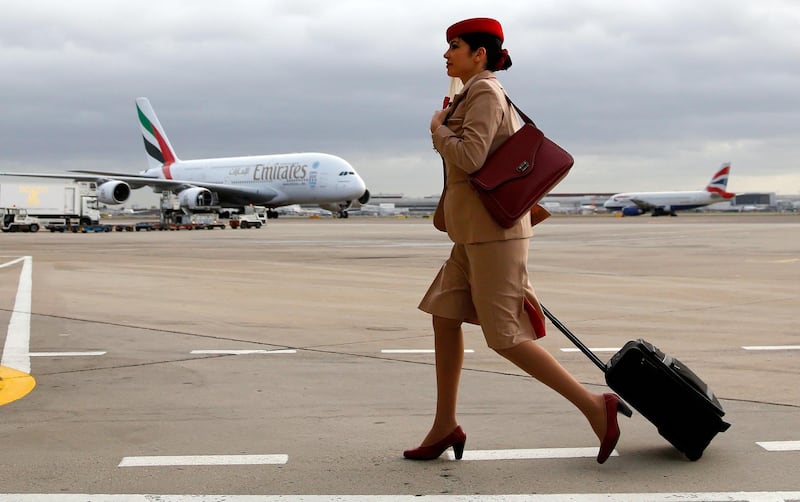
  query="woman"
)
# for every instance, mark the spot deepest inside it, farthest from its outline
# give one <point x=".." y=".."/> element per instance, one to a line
<point x="485" y="279"/>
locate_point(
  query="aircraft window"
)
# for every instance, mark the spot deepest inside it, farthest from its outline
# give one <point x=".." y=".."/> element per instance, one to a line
<point x="346" y="173"/>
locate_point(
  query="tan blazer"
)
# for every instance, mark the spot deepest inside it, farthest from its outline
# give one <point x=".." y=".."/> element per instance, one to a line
<point x="481" y="121"/>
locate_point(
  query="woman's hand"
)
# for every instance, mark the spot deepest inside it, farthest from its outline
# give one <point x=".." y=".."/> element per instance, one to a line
<point x="438" y="119"/>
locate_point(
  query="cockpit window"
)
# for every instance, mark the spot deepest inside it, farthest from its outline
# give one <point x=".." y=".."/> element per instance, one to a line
<point x="346" y="173"/>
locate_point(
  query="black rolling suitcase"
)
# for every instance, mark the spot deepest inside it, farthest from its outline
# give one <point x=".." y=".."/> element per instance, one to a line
<point x="664" y="390"/>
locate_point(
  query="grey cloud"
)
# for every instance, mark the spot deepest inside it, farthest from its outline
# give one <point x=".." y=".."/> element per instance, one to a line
<point x="667" y="89"/>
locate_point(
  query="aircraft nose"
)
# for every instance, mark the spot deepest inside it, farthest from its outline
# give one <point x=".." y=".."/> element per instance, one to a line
<point x="363" y="195"/>
<point x="354" y="185"/>
<point x="360" y="183"/>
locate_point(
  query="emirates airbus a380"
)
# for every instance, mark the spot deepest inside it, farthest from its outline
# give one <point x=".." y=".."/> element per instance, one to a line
<point x="230" y="182"/>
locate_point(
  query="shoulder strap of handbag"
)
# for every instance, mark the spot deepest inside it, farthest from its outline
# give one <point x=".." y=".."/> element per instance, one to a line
<point x="525" y="118"/>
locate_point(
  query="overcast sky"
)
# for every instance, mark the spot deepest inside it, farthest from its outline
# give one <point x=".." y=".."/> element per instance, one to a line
<point x="647" y="95"/>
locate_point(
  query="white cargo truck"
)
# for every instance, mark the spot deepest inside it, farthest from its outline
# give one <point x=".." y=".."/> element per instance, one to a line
<point x="73" y="201"/>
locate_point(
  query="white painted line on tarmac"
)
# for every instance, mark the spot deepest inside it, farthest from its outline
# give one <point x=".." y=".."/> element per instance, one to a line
<point x="417" y="351"/>
<point x="548" y="497"/>
<point x="12" y="262"/>
<point x="243" y="352"/>
<point x="67" y="354"/>
<point x="599" y="349"/>
<point x="530" y="454"/>
<point x="18" y="338"/>
<point x="780" y="445"/>
<point x="771" y="347"/>
<point x="161" y="461"/>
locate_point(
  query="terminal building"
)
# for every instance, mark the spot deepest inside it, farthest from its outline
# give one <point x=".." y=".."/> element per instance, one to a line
<point x="758" y="201"/>
<point x="586" y="203"/>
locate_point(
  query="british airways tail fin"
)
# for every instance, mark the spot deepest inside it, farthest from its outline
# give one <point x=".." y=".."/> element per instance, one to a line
<point x="719" y="182"/>
<point x="159" y="150"/>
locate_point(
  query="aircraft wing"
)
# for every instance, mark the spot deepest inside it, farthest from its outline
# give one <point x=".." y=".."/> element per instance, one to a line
<point x="135" y="181"/>
<point x="235" y="194"/>
<point x="644" y="205"/>
<point x="227" y="193"/>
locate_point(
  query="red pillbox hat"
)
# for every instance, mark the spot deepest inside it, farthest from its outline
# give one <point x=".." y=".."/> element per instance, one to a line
<point x="475" y="25"/>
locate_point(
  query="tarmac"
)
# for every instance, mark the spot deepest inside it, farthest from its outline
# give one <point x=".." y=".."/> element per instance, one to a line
<point x="291" y="362"/>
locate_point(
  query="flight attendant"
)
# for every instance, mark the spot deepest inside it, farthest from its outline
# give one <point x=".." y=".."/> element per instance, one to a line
<point x="485" y="279"/>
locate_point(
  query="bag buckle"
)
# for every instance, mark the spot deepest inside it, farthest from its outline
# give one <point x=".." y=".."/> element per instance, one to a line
<point x="523" y="167"/>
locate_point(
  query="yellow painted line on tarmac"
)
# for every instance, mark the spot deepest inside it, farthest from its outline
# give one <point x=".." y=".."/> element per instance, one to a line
<point x="14" y="385"/>
<point x="15" y="362"/>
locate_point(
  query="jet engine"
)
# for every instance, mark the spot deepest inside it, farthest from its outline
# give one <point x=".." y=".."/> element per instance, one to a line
<point x="631" y="211"/>
<point x="196" y="198"/>
<point x="113" y="192"/>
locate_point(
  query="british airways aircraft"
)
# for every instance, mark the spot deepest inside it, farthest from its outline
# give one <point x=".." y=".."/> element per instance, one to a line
<point x="663" y="203"/>
<point x="232" y="182"/>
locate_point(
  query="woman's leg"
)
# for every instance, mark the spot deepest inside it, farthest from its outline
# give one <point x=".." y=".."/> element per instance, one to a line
<point x="496" y="270"/>
<point x="449" y="345"/>
<point x="541" y="365"/>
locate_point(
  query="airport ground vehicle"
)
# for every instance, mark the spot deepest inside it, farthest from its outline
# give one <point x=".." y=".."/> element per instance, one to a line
<point x="150" y="225"/>
<point x="245" y="221"/>
<point x="154" y="225"/>
<point x="77" y="227"/>
<point x="64" y="202"/>
<point x="261" y="213"/>
<point x="176" y="221"/>
<point x="17" y="219"/>
<point x="202" y="221"/>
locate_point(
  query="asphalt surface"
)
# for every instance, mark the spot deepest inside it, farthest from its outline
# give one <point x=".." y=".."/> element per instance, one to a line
<point x="317" y="406"/>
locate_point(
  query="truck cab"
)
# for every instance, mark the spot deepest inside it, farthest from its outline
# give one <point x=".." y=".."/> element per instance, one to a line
<point x="90" y="214"/>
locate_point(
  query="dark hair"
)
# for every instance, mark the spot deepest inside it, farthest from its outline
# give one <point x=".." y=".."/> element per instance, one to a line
<point x="497" y="58"/>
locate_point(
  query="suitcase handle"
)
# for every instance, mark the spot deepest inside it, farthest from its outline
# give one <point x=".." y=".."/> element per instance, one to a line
<point x="574" y="339"/>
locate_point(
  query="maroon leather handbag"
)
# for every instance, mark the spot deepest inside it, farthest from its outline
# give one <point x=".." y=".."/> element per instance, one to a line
<point x="520" y="172"/>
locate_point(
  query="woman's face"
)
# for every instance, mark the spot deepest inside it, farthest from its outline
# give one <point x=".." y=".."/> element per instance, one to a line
<point x="462" y="62"/>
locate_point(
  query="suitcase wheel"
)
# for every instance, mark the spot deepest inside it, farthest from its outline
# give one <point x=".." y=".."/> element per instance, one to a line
<point x="694" y="455"/>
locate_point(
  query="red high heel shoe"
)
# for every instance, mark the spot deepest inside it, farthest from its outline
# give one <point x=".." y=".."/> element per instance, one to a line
<point x="613" y="406"/>
<point x="456" y="439"/>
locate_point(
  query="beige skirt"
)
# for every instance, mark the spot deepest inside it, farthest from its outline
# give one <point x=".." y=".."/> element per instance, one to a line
<point x="487" y="284"/>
